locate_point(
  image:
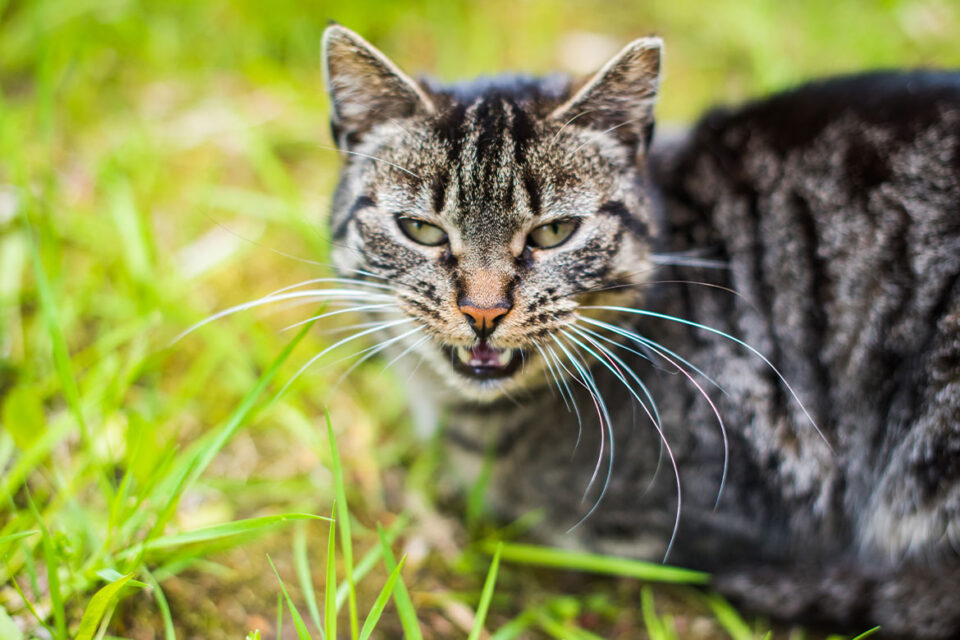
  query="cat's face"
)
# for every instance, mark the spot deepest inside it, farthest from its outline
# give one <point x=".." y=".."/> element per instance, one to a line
<point x="493" y="212"/>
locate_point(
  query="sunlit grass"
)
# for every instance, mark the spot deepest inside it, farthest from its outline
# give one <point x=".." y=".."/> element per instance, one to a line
<point x="160" y="161"/>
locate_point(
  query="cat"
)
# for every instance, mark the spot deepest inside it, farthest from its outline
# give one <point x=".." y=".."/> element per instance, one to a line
<point x="738" y="349"/>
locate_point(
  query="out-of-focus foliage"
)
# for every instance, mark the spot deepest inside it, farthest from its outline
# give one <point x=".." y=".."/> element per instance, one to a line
<point x="161" y="160"/>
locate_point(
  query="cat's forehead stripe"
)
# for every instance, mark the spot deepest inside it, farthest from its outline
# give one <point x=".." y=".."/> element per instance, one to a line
<point x="488" y="141"/>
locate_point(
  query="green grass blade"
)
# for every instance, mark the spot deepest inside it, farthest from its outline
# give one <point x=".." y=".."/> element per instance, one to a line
<point x="29" y="605"/>
<point x="562" y="632"/>
<point x="302" y="632"/>
<point x="197" y="464"/>
<point x="330" y="588"/>
<point x="728" y="617"/>
<point x="18" y="536"/>
<point x="302" y="565"/>
<point x="279" y="616"/>
<point x="218" y="531"/>
<point x="408" y="615"/>
<point x="97" y="607"/>
<point x="343" y="523"/>
<point x="486" y="595"/>
<point x="650" y="618"/>
<point x="370" y="559"/>
<point x="51" y="317"/>
<point x="53" y="572"/>
<point x="595" y="563"/>
<point x="168" y="631"/>
<point x="517" y="627"/>
<point x="381" y="602"/>
<point x="867" y="633"/>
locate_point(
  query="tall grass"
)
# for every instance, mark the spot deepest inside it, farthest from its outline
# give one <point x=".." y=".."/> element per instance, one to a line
<point x="161" y="160"/>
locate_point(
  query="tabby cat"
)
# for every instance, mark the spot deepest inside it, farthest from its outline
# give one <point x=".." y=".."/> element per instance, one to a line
<point x="738" y="350"/>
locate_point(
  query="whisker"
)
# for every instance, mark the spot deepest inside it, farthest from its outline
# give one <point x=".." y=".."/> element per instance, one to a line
<point x="374" y="350"/>
<point x="610" y="354"/>
<point x="316" y="294"/>
<point x="369" y="157"/>
<point x="656" y="424"/>
<point x="691" y="323"/>
<point x="716" y="412"/>
<point x="602" y="133"/>
<point x="365" y="283"/>
<point x="576" y="408"/>
<point x="293" y="257"/>
<point x="553" y="140"/>
<point x="648" y="343"/>
<point x="352" y="309"/>
<point x="553" y="375"/>
<point x="603" y="414"/>
<point x="646" y="283"/>
<point x="325" y="351"/>
<point x="405" y="352"/>
<point x="682" y="261"/>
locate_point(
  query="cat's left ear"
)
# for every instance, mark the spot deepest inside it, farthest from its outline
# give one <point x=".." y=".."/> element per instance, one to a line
<point x="365" y="87"/>
<point x="619" y="98"/>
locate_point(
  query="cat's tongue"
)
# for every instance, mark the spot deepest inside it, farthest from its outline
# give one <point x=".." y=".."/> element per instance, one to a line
<point x="483" y="355"/>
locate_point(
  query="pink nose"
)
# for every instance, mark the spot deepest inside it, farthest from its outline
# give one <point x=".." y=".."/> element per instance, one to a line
<point x="483" y="320"/>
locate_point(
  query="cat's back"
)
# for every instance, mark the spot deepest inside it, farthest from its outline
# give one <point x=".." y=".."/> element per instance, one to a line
<point x="836" y="206"/>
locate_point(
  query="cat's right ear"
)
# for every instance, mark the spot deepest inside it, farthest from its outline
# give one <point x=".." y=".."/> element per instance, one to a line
<point x="365" y="87"/>
<point x="619" y="99"/>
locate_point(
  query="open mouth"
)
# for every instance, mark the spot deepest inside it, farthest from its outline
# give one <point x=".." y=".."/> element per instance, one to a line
<point x="484" y="362"/>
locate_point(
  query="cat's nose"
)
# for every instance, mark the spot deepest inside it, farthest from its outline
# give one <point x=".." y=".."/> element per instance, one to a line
<point x="483" y="320"/>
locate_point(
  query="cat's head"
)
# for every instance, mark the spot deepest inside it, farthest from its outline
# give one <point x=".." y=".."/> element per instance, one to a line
<point x="493" y="209"/>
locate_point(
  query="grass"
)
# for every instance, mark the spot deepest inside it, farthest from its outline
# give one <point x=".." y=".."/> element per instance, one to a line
<point x="160" y="161"/>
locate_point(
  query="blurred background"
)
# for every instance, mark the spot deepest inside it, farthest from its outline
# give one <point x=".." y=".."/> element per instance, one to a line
<point x="163" y="160"/>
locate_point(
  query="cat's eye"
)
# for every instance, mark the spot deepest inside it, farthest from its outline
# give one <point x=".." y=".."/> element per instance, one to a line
<point x="422" y="232"/>
<point x="552" y="234"/>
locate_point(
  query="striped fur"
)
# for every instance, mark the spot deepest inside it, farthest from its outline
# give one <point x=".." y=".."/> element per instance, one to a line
<point x="833" y="212"/>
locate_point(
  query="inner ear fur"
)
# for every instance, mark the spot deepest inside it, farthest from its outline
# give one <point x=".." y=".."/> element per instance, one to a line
<point x="365" y="87"/>
<point x="619" y="99"/>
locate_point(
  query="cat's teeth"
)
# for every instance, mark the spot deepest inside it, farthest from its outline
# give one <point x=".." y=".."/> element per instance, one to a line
<point x="464" y="354"/>
<point x="504" y="357"/>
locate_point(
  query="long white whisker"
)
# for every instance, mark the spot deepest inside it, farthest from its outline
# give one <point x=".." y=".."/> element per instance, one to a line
<point x="610" y="354"/>
<point x="649" y="344"/>
<point x="716" y="412"/>
<point x="405" y="352"/>
<point x="352" y="309"/>
<point x="663" y="438"/>
<point x="604" y="415"/>
<point x="317" y="294"/>
<point x="364" y="155"/>
<point x="602" y="133"/>
<point x="385" y="325"/>
<point x="553" y="375"/>
<point x="573" y="400"/>
<point x="681" y="261"/>
<point x="646" y="391"/>
<point x="553" y="140"/>
<point x="364" y="283"/>
<point x="372" y="351"/>
<point x="663" y="316"/>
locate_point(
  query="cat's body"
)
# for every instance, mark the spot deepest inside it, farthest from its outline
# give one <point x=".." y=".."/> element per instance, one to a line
<point x="827" y="226"/>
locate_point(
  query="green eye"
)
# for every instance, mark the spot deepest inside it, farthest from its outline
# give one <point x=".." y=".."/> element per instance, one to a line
<point x="422" y="232"/>
<point x="552" y="234"/>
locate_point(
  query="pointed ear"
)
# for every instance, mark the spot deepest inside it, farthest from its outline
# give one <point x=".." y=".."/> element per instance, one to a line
<point x="365" y="87"/>
<point x="619" y="98"/>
